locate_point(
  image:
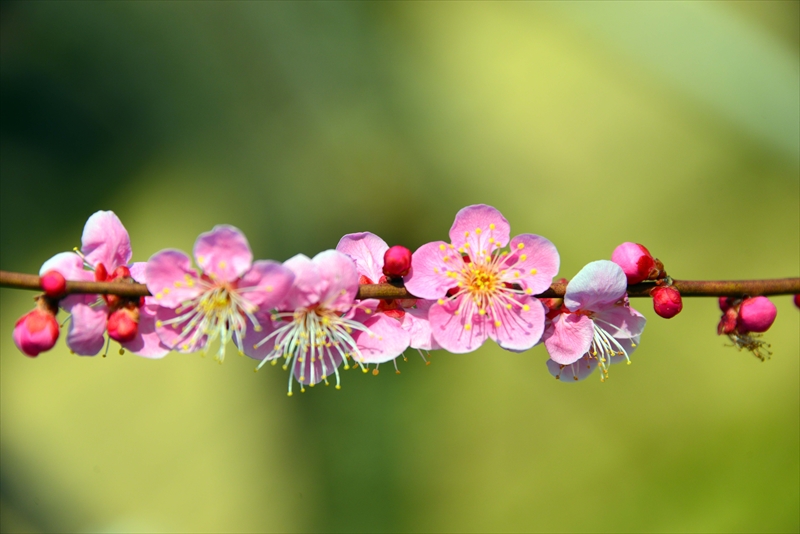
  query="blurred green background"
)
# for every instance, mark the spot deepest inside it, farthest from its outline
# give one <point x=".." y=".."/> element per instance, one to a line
<point x="676" y="125"/>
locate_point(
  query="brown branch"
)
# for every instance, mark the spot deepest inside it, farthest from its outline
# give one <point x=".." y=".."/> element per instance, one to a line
<point x="688" y="288"/>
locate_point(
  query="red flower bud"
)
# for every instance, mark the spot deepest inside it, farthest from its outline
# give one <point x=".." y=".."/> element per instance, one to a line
<point x="797" y="300"/>
<point x="666" y="301"/>
<point x="36" y="331"/>
<point x="121" y="272"/>
<point x="100" y="272"/>
<point x="53" y="283"/>
<point x="635" y="260"/>
<point x="727" y="324"/>
<point x="756" y="315"/>
<point x="123" y="324"/>
<point x="397" y="261"/>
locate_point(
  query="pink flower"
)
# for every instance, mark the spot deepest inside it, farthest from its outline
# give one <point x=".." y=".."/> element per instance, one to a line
<point x="37" y="330"/>
<point x="218" y="303"/>
<point x="595" y="325"/>
<point x="636" y="261"/>
<point x="318" y="325"/>
<point x="106" y="252"/>
<point x="368" y="251"/>
<point x="482" y="290"/>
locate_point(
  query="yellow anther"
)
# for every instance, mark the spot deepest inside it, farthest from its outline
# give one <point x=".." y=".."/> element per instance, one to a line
<point x="491" y="226"/>
<point x="525" y="307"/>
<point x="529" y="291"/>
<point x="457" y="312"/>
<point x="482" y="312"/>
<point x="442" y="247"/>
<point x="467" y="326"/>
<point x="364" y="369"/>
<point x="223" y="264"/>
<point x="477" y="231"/>
<point x="466" y="245"/>
<point x="520" y="246"/>
<point x="178" y="284"/>
<point x="201" y="259"/>
<point x="497" y="324"/>
<point x="367" y="311"/>
<point x="629" y="362"/>
<point x="491" y="240"/>
<point x="166" y="290"/>
<point x="466" y="234"/>
<point x="446" y="258"/>
<point x="440" y="302"/>
<point x="269" y="289"/>
<point x="288" y="393"/>
<point x="159" y="296"/>
<point x="436" y="270"/>
<point x="159" y="324"/>
<point x="121" y="352"/>
<point x="324" y="377"/>
<point x="273" y="362"/>
<point x="185" y="346"/>
<point x="375" y="372"/>
<point x="285" y="367"/>
<point x="302" y="379"/>
<point x="257" y="328"/>
<point x="534" y="271"/>
<point x="516" y="274"/>
<point x="338" y="386"/>
<point x="523" y="257"/>
<point x="633" y="344"/>
<point x="508" y="306"/>
<point x="346" y="367"/>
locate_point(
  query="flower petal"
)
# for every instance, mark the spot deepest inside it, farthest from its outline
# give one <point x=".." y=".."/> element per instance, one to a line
<point x="367" y="250"/>
<point x="476" y="225"/>
<point x="307" y="286"/>
<point x="171" y="279"/>
<point x="147" y="343"/>
<point x="535" y="259"/>
<point x="385" y="341"/>
<point x="568" y="338"/>
<point x="416" y="323"/>
<point x="598" y="285"/>
<point x="106" y="241"/>
<point x="519" y="329"/>
<point x="622" y="322"/>
<point x="339" y="280"/>
<point x="172" y="334"/>
<point x="223" y="253"/>
<point x="253" y="338"/>
<point x="428" y="278"/>
<point x="266" y="284"/>
<point x="449" y="329"/>
<point x="139" y="271"/>
<point x="572" y="372"/>
<point x="86" y="329"/>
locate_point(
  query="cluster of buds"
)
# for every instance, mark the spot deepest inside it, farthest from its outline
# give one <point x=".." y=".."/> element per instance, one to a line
<point x="639" y="266"/>
<point x="305" y="312"/>
<point x="744" y="320"/>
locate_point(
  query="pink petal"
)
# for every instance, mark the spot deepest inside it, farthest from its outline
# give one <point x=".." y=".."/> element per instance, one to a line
<point x="568" y="338"/>
<point x="253" y="338"/>
<point x="473" y="225"/>
<point x="147" y="343"/>
<point x="70" y="265"/>
<point x="427" y="278"/>
<point x="537" y="262"/>
<point x="367" y="250"/>
<point x="171" y="279"/>
<point x="519" y="330"/>
<point x="139" y="271"/>
<point x="172" y="335"/>
<point x="385" y="341"/>
<point x="622" y="322"/>
<point x="324" y="365"/>
<point x="307" y="286"/>
<point x="266" y="284"/>
<point x="448" y="329"/>
<point x="339" y="280"/>
<point x="106" y="241"/>
<point x="598" y="285"/>
<point x="416" y="323"/>
<point x="86" y="329"/>
<point x="573" y="372"/>
<point x="223" y="253"/>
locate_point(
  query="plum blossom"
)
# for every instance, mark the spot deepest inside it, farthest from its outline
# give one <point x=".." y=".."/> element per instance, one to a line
<point x="318" y="326"/>
<point x="482" y="290"/>
<point x="218" y="303"/>
<point x="594" y="325"/>
<point x="368" y="251"/>
<point x="105" y="256"/>
<point x="37" y="330"/>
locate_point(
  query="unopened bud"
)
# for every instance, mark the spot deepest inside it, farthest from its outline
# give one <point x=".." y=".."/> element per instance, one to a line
<point x="397" y="261"/>
<point x="726" y="303"/>
<point x="667" y="301"/>
<point x="797" y="300"/>
<point x="727" y="324"/>
<point x="121" y="272"/>
<point x="123" y="324"/>
<point x="36" y="331"/>
<point x="100" y="272"/>
<point x="756" y="315"/>
<point x="635" y="260"/>
<point x="54" y="284"/>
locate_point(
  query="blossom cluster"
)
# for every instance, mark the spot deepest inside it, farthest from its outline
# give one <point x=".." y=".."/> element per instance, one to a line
<point x="304" y="312"/>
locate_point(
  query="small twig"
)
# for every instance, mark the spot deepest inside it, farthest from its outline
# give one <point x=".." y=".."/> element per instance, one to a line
<point x="688" y="288"/>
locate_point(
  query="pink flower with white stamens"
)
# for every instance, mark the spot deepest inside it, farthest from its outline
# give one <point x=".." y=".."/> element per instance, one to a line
<point x="105" y="256"/>
<point x="218" y="303"/>
<point x="483" y="290"/>
<point x="595" y="325"/>
<point x="319" y="326"/>
<point x="369" y="251"/>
